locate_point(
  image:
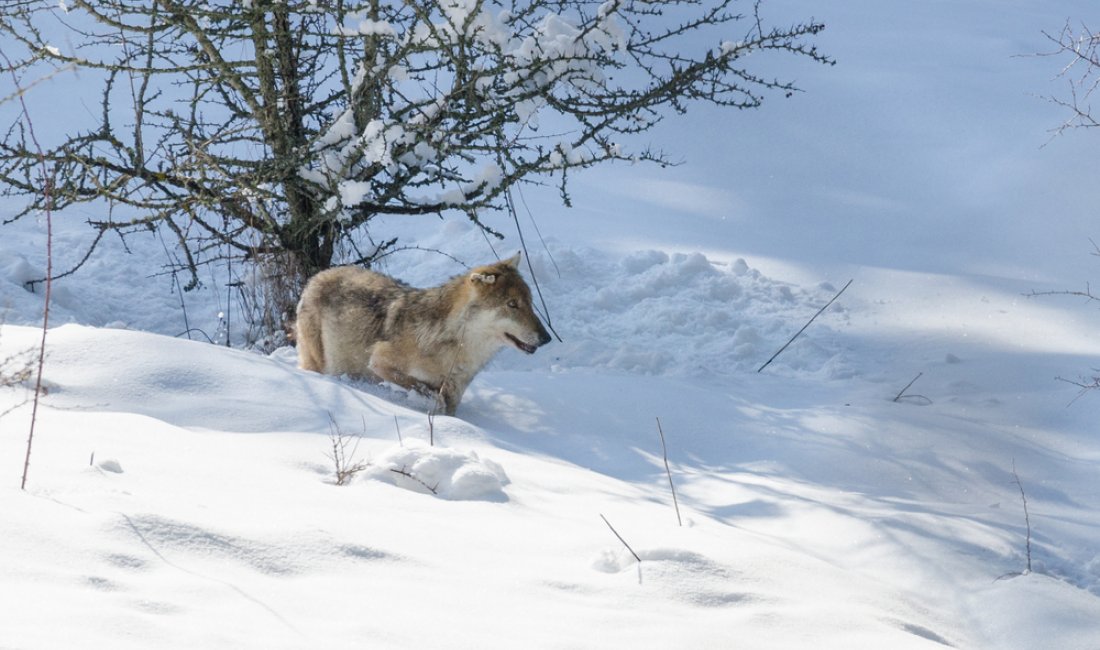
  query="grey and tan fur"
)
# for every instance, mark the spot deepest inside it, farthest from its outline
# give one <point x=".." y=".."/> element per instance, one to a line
<point x="365" y="324"/>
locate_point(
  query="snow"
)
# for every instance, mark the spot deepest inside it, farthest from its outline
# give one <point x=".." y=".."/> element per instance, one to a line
<point x="182" y="494"/>
<point x="368" y="27"/>
<point x="446" y="473"/>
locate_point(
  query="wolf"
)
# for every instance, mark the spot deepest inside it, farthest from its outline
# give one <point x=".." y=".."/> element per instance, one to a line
<point x="433" y="341"/>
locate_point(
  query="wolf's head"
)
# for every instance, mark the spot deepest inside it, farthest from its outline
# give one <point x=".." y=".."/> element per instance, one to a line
<point x="504" y="305"/>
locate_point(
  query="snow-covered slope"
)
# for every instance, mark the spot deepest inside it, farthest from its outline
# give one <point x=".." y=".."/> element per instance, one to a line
<point x="181" y="493"/>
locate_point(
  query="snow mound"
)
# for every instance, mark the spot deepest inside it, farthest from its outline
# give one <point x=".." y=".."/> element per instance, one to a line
<point x="164" y="378"/>
<point x="122" y="283"/>
<point x="446" y="473"/>
<point x="680" y="314"/>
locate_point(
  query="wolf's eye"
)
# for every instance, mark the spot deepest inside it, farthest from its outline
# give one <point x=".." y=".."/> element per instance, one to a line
<point x="513" y="304"/>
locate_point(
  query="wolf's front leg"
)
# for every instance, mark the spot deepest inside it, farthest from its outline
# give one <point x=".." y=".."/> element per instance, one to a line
<point x="385" y="366"/>
<point x="447" y="397"/>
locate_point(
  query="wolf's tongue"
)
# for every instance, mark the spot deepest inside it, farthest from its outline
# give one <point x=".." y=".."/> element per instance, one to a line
<point x="529" y="349"/>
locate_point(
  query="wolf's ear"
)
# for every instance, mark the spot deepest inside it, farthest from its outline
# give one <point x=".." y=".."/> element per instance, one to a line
<point x="484" y="278"/>
<point x="513" y="261"/>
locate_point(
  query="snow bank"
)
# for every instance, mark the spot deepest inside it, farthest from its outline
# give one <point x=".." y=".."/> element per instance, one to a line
<point x="128" y="285"/>
<point x="186" y="383"/>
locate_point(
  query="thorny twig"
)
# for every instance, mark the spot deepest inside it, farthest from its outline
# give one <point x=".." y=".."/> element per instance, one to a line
<point x="47" y="192"/>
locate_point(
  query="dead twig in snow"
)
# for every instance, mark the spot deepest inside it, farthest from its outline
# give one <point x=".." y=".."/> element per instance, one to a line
<point x="431" y="423"/>
<point x="398" y="427"/>
<point x="901" y="394"/>
<point x="621" y="539"/>
<point x="626" y="545"/>
<point x="1027" y="526"/>
<point x="344" y="449"/>
<point x="404" y="471"/>
<point x="664" y="453"/>
<point x="799" y="333"/>
<point x="1027" y="517"/>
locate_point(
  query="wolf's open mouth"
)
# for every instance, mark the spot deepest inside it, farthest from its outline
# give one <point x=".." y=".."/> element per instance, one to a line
<point x="529" y="349"/>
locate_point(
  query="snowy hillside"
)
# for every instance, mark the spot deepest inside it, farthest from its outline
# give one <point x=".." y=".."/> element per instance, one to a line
<point x="182" y="494"/>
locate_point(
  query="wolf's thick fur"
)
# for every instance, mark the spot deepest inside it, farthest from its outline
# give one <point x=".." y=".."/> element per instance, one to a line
<point x="365" y="324"/>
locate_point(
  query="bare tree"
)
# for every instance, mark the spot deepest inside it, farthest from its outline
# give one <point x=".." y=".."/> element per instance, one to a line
<point x="279" y="129"/>
<point x="1080" y="46"/>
